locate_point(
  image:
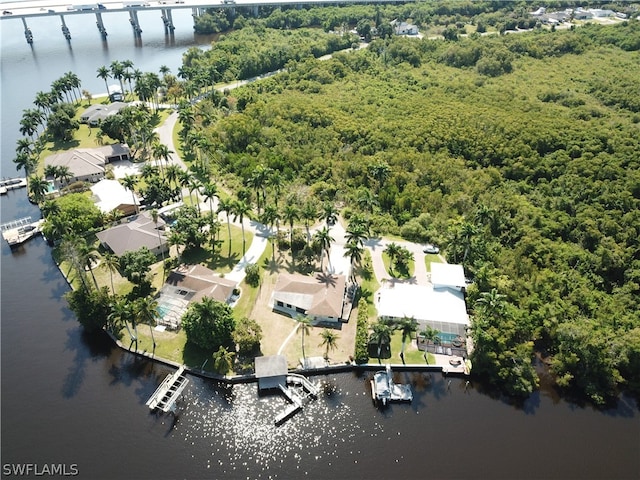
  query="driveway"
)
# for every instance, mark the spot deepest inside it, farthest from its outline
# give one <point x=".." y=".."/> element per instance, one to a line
<point x="377" y="245"/>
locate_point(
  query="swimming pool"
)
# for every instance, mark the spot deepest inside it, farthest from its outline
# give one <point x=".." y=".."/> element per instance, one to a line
<point x="447" y="337"/>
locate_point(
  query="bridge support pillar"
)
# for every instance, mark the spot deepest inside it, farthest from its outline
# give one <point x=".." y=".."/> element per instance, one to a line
<point x="135" y="24"/>
<point x="167" y="20"/>
<point x="27" y="32"/>
<point x="65" y="29"/>
<point x="100" y="25"/>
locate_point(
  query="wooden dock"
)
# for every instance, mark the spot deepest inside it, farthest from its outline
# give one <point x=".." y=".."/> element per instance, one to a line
<point x="165" y="396"/>
<point x="297" y="397"/>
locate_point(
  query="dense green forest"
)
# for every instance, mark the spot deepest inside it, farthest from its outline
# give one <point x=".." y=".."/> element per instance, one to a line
<point x="518" y="154"/>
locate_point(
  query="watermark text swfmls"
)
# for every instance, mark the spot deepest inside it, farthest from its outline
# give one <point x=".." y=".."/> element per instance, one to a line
<point x="40" y="469"/>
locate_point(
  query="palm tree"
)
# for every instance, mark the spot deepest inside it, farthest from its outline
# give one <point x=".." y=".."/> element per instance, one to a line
<point x="408" y="326"/>
<point x="354" y="252"/>
<point x="329" y="341"/>
<point x="491" y="303"/>
<point x="308" y="213"/>
<point x="403" y="258"/>
<point x="223" y="360"/>
<point x="275" y="181"/>
<point x="305" y="326"/>
<point x="226" y="205"/>
<point x="329" y="213"/>
<point x="240" y="209"/>
<point x="70" y="249"/>
<point x="120" y="314"/>
<point x="130" y="183"/>
<point x="25" y="161"/>
<point x="38" y="188"/>
<point x="146" y="311"/>
<point x="194" y="186"/>
<point x="154" y="217"/>
<point x="291" y="214"/>
<point x="381" y="335"/>
<point x="467" y="232"/>
<point x="356" y="233"/>
<point x="430" y="334"/>
<point x="117" y="71"/>
<point x="210" y="192"/>
<point x="161" y="152"/>
<point x="103" y="73"/>
<point x="324" y="239"/>
<point x="269" y="216"/>
<point x="111" y="263"/>
<point x="63" y="174"/>
<point x="89" y="256"/>
<point x="392" y="250"/>
<point x="49" y="208"/>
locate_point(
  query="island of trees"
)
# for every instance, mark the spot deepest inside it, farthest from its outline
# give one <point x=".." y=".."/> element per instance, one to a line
<point x="517" y="154"/>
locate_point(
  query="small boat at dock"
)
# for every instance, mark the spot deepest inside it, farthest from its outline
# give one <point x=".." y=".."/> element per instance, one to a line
<point x="383" y="390"/>
<point x="11" y="183"/>
<point x="19" y="231"/>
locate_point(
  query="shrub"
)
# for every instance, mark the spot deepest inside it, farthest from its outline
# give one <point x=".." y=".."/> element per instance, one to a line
<point x="253" y="275"/>
<point x="362" y="333"/>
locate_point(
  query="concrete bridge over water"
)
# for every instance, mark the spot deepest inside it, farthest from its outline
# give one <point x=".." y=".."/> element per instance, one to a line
<point x="53" y="8"/>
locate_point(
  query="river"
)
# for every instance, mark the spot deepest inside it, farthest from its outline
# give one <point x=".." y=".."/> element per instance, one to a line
<point x="77" y="400"/>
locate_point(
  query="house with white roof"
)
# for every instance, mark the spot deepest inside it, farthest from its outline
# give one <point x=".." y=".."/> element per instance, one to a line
<point x="447" y="275"/>
<point x="109" y="195"/>
<point x="440" y="305"/>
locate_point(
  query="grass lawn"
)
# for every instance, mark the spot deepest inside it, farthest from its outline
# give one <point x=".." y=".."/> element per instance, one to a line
<point x="411" y="353"/>
<point x="368" y="284"/>
<point x="227" y="253"/>
<point x="398" y="272"/>
<point x="171" y="346"/>
<point x="430" y="257"/>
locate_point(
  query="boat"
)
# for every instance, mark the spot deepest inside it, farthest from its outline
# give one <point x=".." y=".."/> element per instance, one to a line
<point x="19" y="231"/>
<point x="11" y="183"/>
<point x="384" y="391"/>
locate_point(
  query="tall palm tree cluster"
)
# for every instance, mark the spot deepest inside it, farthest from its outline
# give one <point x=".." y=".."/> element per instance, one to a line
<point x="399" y="256"/>
<point x="34" y="120"/>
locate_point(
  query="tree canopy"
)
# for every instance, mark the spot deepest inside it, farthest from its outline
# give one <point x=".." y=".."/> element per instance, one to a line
<point x="209" y="324"/>
<point x="507" y="151"/>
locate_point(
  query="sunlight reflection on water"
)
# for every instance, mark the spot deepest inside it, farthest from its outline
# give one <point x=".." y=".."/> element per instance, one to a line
<point x="238" y="424"/>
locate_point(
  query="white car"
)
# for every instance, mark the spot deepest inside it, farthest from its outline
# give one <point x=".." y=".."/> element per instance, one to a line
<point x="428" y="248"/>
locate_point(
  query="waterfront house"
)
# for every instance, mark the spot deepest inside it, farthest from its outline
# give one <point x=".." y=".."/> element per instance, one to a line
<point x="190" y="283"/>
<point x="323" y="297"/>
<point x="194" y="282"/>
<point x="88" y="164"/>
<point x="109" y="195"/>
<point x="440" y="304"/>
<point x="134" y="233"/>
<point x="97" y="113"/>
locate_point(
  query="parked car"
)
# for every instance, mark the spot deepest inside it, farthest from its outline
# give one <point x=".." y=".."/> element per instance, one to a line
<point x="428" y="248"/>
<point x="7" y="12"/>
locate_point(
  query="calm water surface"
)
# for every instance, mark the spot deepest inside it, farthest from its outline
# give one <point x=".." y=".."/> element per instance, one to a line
<point x="75" y="399"/>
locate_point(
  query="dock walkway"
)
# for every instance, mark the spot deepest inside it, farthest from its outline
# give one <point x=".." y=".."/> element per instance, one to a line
<point x="165" y="396"/>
